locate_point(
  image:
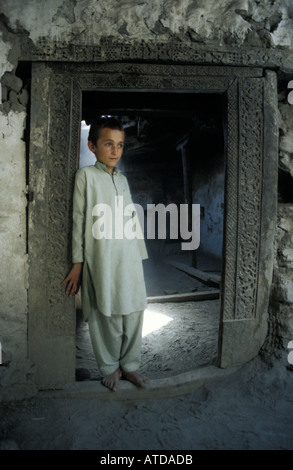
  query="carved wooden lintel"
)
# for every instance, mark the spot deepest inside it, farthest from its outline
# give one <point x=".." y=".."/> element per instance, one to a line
<point x="109" y="50"/>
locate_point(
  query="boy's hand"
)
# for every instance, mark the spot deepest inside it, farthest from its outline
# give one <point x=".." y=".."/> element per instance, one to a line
<point x="73" y="279"/>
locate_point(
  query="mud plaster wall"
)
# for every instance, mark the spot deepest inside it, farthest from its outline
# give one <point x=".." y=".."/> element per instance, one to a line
<point x="238" y="24"/>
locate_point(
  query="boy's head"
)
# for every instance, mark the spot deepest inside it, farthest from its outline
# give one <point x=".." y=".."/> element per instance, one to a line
<point x="106" y="140"/>
<point x="102" y="123"/>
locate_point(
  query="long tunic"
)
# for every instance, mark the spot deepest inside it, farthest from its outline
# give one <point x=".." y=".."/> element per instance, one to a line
<point x="112" y="278"/>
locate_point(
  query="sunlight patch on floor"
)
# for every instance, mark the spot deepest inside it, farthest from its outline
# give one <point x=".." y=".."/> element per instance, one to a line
<point x="153" y="321"/>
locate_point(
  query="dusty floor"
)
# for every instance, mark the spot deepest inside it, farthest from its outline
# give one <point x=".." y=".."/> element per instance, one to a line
<point x="177" y="336"/>
<point x="251" y="409"/>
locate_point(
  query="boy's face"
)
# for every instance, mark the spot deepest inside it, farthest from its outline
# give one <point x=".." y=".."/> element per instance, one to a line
<point x="109" y="147"/>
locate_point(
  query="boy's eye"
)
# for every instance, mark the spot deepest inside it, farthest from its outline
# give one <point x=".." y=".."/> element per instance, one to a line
<point x="109" y="144"/>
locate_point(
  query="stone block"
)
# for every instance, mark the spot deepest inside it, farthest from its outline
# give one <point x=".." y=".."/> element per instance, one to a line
<point x="284" y="287"/>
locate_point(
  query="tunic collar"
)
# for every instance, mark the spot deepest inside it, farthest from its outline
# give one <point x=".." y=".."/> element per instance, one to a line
<point x="102" y="166"/>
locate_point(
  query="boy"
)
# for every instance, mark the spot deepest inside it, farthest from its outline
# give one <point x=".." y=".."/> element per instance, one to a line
<point x="110" y="268"/>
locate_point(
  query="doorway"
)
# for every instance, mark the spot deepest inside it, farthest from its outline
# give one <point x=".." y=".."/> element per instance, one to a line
<point x="174" y="154"/>
<point x="249" y="208"/>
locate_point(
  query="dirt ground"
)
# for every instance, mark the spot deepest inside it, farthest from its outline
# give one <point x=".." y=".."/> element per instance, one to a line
<point x="177" y="336"/>
<point x="250" y="409"/>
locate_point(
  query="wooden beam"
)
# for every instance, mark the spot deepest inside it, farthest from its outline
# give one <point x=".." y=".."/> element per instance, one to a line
<point x="207" y="278"/>
<point x="188" y="297"/>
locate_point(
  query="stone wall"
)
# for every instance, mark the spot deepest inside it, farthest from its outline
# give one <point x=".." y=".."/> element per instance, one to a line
<point x="42" y="29"/>
<point x="229" y="22"/>
<point x="282" y="292"/>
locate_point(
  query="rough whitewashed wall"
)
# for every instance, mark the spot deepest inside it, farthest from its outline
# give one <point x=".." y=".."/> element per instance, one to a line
<point x="238" y="23"/>
<point x="234" y="22"/>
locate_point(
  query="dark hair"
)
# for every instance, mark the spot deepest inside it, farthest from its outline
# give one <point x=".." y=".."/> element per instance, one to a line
<point x="101" y="123"/>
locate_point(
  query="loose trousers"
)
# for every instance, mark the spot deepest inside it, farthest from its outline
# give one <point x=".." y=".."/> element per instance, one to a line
<point x="116" y="340"/>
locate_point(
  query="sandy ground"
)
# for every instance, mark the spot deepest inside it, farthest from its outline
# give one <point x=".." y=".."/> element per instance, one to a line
<point x="249" y="410"/>
<point x="177" y="336"/>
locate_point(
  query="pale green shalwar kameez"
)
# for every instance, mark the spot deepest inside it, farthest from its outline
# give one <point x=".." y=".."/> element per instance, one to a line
<point x="113" y="287"/>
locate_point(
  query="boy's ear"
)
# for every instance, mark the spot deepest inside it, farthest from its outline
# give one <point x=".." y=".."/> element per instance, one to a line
<point x="91" y="146"/>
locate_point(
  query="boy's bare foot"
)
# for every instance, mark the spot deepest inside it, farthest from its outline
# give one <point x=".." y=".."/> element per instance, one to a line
<point x="136" y="378"/>
<point x="112" y="380"/>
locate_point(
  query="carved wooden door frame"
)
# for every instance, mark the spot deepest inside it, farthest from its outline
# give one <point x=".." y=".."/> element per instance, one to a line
<point x="250" y="199"/>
